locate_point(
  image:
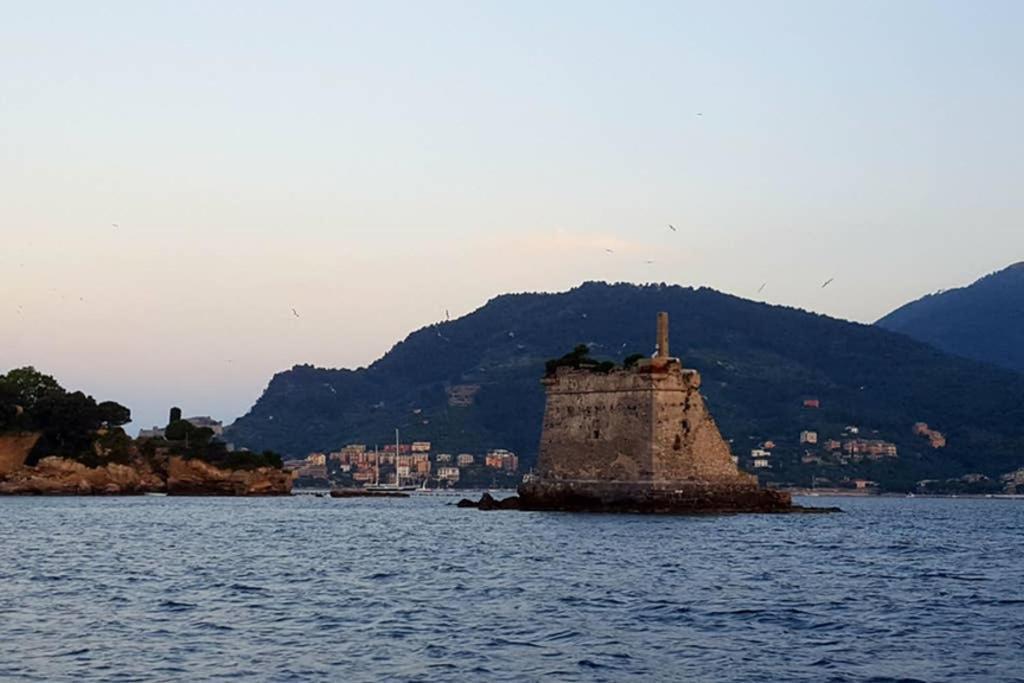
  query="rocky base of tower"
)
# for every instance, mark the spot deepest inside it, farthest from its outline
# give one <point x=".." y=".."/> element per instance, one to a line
<point x="687" y="498"/>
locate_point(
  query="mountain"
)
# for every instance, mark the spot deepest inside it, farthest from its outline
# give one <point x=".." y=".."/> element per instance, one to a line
<point x="473" y="383"/>
<point x="984" y="321"/>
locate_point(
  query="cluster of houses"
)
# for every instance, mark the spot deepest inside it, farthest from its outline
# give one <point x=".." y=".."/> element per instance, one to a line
<point x="408" y="463"/>
<point x="850" y="449"/>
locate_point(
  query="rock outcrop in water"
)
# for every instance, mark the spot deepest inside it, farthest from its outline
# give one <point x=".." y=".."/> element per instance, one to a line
<point x="637" y="439"/>
<point x="173" y="475"/>
<point x="197" y="478"/>
<point x="60" y="476"/>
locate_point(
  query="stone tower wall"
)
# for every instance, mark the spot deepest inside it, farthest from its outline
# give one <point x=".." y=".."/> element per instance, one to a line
<point x="686" y="443"/>
<point x="640" y="425"/>
<point x="597" y="427"/>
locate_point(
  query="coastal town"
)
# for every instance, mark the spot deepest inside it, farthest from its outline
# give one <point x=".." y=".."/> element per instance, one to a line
<point x="406" y="464"/>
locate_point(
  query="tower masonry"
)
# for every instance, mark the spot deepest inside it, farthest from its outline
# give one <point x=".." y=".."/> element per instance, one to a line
<point x="637" y="439"/>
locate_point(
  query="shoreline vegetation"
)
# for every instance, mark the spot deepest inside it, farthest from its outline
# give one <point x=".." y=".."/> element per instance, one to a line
<point x="56" y="442"/>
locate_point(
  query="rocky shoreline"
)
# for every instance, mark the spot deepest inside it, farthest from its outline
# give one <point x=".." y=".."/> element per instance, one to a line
<point x="59" y="476"/>
<point x="172" y="475"/>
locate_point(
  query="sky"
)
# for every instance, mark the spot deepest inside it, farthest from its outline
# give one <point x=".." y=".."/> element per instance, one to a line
<point x="177" y="177"/>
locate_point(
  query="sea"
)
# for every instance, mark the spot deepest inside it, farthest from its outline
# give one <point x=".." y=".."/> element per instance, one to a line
<point x="312" y="588"/>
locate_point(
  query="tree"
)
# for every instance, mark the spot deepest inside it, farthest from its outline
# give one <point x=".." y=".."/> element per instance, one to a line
<point x="113" y="414"/>
<point x="27" y="386"/>
<point x="633" y="360"/>
<point x="183" y="430"/>
<point x="68" y="422"/>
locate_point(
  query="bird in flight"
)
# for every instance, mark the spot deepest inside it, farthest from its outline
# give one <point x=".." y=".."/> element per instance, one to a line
<point x="609" y="251"/>
<point x="761" y="288"/>
<point x="672" y="227"/>
<point x="295" y="313"/>
<point x="115" y="225"/>
<point x="827" y="282"/>
<point x="648" y="261"/>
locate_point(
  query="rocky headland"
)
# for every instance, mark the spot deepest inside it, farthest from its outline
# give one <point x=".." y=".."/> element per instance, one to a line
<point x="137" y="474"/>
<point x="197" y="478"/>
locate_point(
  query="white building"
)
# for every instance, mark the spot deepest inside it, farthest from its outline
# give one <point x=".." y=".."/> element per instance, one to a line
<point x="464" y="459"/>
<point x="216" y="426"/>
<point x="808" y="437"/>
<point x="760" y="458"/>
<point x="420" y="447"/>
<point x="448" y="473"/>
<point x="443" y="457"/>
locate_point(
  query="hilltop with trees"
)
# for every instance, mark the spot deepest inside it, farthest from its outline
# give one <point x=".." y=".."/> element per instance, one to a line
<point x="473" y="383"/>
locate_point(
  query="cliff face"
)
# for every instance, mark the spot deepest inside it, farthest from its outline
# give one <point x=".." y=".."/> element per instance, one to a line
<point x="197" y="478"/>
<point x="14" y="449"/>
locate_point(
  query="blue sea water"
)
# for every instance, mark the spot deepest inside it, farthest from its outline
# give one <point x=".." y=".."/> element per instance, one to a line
<point x="317" y="589"/>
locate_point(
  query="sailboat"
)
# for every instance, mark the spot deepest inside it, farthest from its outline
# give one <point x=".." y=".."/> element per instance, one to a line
<point x="397" y="486"/>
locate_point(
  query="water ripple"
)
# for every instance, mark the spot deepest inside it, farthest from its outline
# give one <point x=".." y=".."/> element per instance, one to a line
<point x="310" y="589"/>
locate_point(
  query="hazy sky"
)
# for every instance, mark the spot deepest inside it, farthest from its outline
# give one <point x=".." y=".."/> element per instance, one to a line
<point x="371" y="164"/>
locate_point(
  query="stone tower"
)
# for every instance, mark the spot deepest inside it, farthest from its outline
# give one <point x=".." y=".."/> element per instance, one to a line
<point x="637" y="439"/>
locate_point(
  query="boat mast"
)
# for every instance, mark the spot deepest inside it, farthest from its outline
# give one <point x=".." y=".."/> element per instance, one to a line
<point x="398" y="481"/>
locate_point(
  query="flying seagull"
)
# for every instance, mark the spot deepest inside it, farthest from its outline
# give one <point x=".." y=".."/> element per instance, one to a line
<point x="609" y="251"/>
<point x="295" y="313"/>
<point x="761" y="288"/>
<point x="115" y="225"/>
<point x="827" y="282"/>
<point x="648" y="261"/>
<point x="672" y="227"/>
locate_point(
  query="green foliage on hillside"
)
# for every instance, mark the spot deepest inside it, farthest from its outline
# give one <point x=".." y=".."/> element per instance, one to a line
<point x="984" y="321"/>
<point x="758" y="363"/>
<point x="70" y="422"/>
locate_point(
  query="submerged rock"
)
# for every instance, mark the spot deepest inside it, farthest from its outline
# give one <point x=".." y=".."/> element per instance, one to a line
<point x="489" y="502"/>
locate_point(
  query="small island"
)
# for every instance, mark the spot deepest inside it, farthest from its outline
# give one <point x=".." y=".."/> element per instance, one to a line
<point x="635" y="438"/>
<point x="56" y="442"/>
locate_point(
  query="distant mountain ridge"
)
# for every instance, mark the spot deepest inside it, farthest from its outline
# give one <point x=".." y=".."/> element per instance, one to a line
<point x="983" y="321"/>
<point x="473" y="383"/>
